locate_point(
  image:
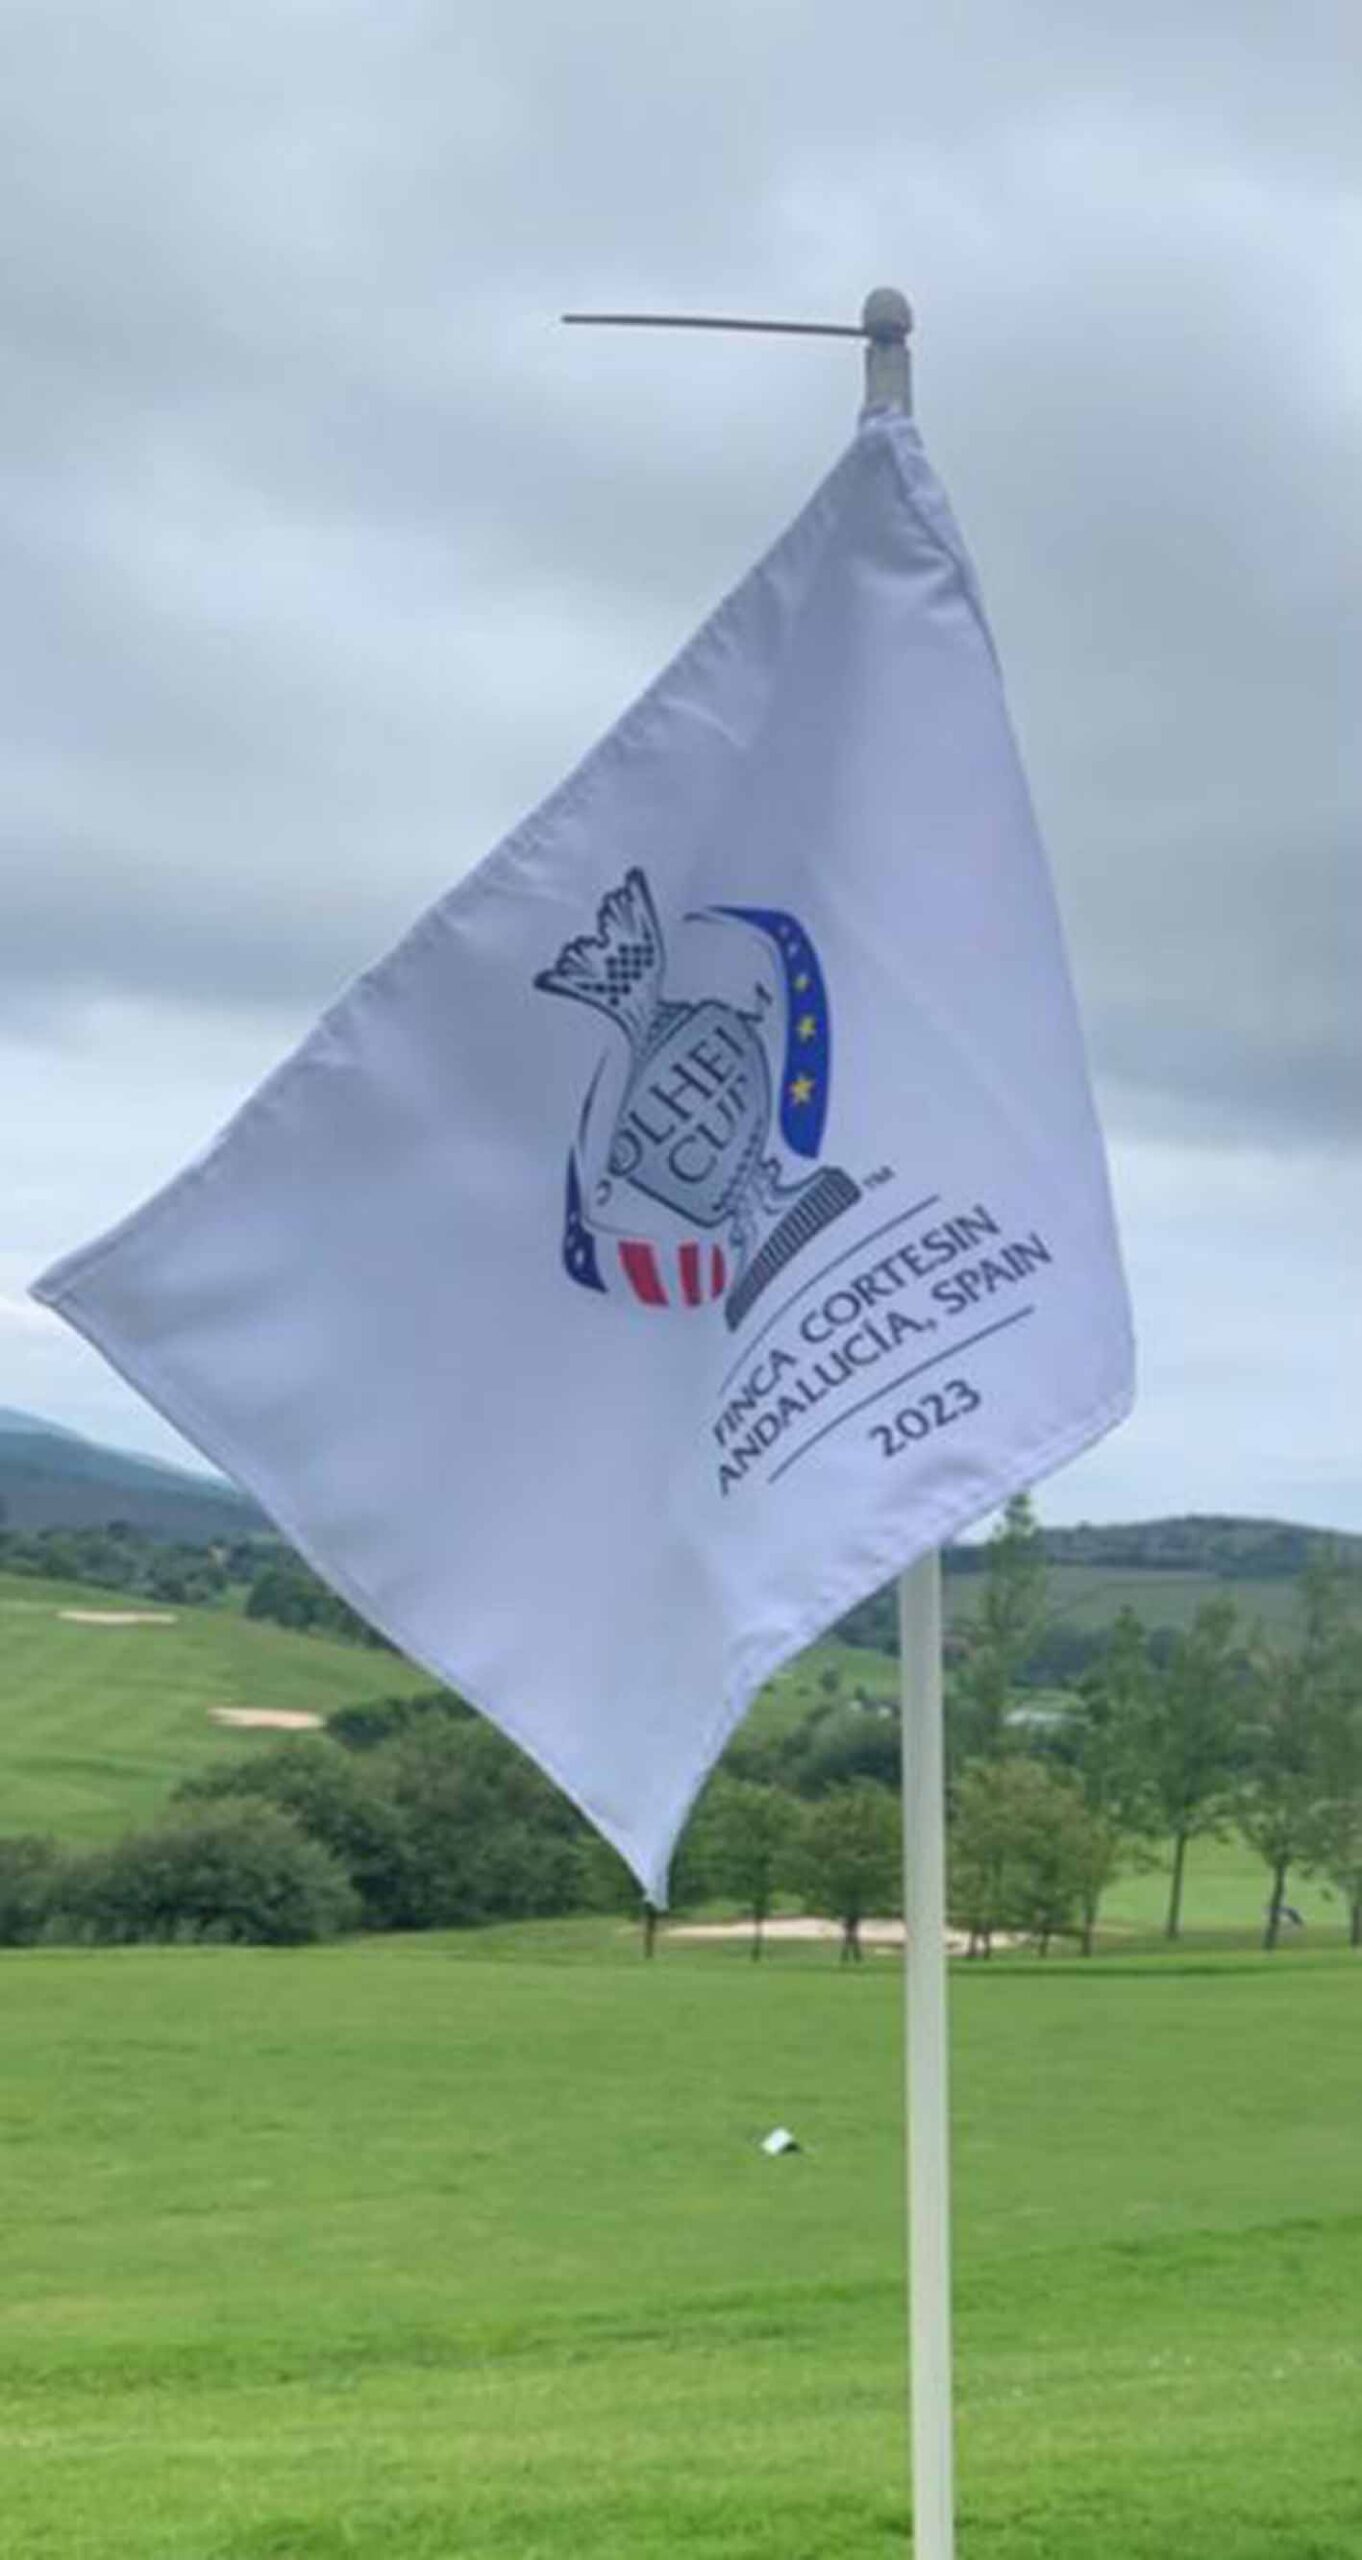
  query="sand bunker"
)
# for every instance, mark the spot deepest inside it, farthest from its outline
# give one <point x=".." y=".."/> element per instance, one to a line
<point x="272" y="1719"/>
<point x="879" y="1935"/>
<point x="117" y="1617"/>
<point x="874" y="1933"/>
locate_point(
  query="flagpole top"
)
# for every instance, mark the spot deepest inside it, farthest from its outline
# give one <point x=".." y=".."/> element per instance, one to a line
<point x="887" y="318"/>
<point x="886" y="313"/>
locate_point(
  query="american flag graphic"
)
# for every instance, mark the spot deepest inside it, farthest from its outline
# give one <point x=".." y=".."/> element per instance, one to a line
<point x="689" y="1273"/>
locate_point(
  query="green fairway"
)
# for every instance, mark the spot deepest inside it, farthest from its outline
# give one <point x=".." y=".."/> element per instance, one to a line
<point x="417" y="2248"/>
<point x="824" y="1674"/>
<point x="99" y="1723"/>
<point x="1225" y="1896"/>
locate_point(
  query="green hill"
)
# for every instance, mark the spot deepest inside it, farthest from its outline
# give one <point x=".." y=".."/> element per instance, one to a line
<point x="51" y="1478"/>
<point x="1202" y="1542"/>
<point x="99" y="1721"/>
<point x="1090" y="1596"/>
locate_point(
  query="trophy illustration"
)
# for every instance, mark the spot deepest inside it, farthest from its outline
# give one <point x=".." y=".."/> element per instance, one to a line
<point x="689" y="1132"/>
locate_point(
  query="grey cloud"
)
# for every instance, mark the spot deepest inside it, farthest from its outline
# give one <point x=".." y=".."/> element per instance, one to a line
<point x="327" y="553"/>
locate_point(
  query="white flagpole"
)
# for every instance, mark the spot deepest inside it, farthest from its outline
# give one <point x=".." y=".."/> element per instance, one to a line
<point x="884" y="325"/>
<point x="925" y="2049"/>
<point x="887" y="320"/>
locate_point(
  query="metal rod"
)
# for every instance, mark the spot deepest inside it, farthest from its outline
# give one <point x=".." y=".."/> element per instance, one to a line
<point x="699" y="320"/>
<point x="883" y="328"/>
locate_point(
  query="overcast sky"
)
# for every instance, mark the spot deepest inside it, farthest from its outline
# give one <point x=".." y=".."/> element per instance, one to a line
<point x="327" y="552"/>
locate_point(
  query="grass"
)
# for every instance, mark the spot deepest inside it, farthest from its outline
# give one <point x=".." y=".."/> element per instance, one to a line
<point x="465" y="2247"/>
<point x="99" y="1724"/>
<point x="1225" y="1896"/>
<point x="794" y="1692"/>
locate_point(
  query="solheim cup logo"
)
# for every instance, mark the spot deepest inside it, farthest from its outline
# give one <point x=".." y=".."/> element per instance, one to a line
<point x="676" y="1190"/>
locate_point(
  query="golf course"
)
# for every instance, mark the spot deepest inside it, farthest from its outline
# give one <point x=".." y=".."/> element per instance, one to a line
<point x="466" y="2244"/>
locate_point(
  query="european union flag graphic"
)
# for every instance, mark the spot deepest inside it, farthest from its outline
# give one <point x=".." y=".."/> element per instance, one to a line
<point x="807" y="1067"/>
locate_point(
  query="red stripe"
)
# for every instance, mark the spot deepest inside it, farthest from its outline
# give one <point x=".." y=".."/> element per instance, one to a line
<point x="688" y="1255"/>
<point x="718" y="1273"/>
<point x="642" y="1274"/>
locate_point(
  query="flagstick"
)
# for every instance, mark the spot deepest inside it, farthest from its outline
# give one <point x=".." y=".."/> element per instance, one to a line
<point x="886" y="320"/>
<point x="884" y="325"/>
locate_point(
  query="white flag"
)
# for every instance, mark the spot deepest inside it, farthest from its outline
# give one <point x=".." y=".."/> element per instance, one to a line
<point x="699" y="1215"/>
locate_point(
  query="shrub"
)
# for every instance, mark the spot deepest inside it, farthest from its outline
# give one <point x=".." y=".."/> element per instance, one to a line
<point x="379" y="1720"/>
<point x="338" y="1799"/>
<point x="232" y="1871"/>
<point x="31" y="1873"/>
<point x="485" y="1837"/>
<point x="286" y="1590"/>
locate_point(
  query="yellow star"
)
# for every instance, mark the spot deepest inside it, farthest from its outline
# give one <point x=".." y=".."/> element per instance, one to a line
<point x="802" y="1089"/>
<point x="806" y="1027"/>
<point x="802" y="985"/>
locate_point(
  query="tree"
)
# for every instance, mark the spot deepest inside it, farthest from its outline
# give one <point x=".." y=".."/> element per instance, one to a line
<point x="1023" y="1850"/>
<point x="287" y="1591"/>
<point x="337" y="1798"/>
<point x="30" y="1881"/>
<point x="1002" y="1632"/>
<point x="606" y="1882"/>
<point x="1332" y="1841"/>
<point x="1100" y="1744"/>
<point x="980" y="1844"/>
<point x="1192" y="1738"/>
<point x="850" y="1857"/>
<point x="484" y="1835"/>
<point x="1065" y="1856"/>
<point x="749" y="1835"/>
<point x="874" y="1623"/>
<point x="858" y="1739"/>
<point x="1297" y="1792"/>
<point x="374" y="1721"/>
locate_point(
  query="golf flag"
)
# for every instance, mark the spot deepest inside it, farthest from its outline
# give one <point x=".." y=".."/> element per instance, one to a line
<point x="699" y="1215"/>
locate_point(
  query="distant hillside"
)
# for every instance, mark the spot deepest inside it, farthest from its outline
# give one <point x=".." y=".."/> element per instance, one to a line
<point x="1235" y="1550"/>
<point x="1214" y="1543"/>
<point x="106" y="1706"/>
<point x="51" y="1478"/>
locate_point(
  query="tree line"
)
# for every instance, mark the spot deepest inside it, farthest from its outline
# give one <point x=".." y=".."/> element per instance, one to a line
<point x="412" y="1813"/>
